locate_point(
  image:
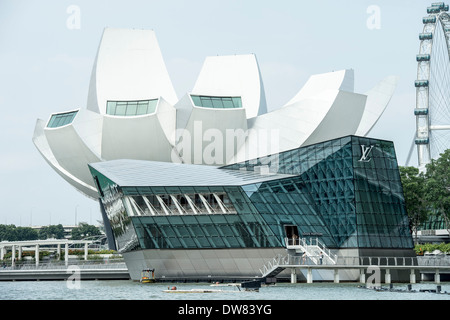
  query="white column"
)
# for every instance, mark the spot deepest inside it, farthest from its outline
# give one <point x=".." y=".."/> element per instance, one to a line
<point x="309" y="278"/>
<point x="362" y="276"/>
<point x="58" y="251"/>
<point x="437" y="277"/>
<point x="20" y="253"/>
<point x="293" y="276"/>
<point x="36" y="255"/>
<point x="13" y="256"/>
<point x="66" y="254"/>
<point x="387" y="277"/>
<point x="336" y="275"/>
<point x="412" y="276"/>
<point x="2" y="253"/>
<point x="85" y="251"/>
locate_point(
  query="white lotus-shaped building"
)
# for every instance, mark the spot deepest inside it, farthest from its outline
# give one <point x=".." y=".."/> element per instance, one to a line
<point x="133" y="112"/>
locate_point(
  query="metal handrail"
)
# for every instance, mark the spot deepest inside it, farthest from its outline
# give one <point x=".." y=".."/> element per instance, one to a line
<point x="106" y="264"/>
<point x="348" y="261"/>
<point x="313" y="242"/>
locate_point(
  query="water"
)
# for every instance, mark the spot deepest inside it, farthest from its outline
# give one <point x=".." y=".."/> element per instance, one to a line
<point x="131" y="290"/>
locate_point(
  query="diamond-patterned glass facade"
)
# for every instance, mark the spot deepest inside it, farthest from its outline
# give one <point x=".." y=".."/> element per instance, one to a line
<point x="347" y="192"/>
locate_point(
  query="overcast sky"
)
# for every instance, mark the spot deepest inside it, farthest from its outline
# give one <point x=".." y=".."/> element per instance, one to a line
<point x="47" y="49"/>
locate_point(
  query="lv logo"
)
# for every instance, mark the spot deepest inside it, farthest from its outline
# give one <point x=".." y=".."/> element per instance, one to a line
<point x="365" y="152"/>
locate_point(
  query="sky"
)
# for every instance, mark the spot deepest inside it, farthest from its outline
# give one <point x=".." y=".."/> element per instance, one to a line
<point x="47" y="50"/>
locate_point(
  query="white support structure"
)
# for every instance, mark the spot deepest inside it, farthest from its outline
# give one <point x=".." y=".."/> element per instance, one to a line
<point x="221" y="204"/>
<point x="293" y="275"/>
<point x="206" y="204"/>
<point x="387" y="278"/>
<point x="36" y="255"/>
<point x="309" y="277"/>
<point x="437" y="277"/>
<point x="13" y="256"/>
<point x="86" y="251"/>
<point x="336" y="275"/>
<point x="412" y="276"/>
<point x="163" y="205"/>
<point x="194" y="208"/>
<point x="180" y="209"/>
<point x="149" y="206"/>
<point x="66" y="254"/>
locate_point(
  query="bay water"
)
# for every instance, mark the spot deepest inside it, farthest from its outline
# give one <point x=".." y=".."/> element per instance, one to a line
<point x="133" y="290"/>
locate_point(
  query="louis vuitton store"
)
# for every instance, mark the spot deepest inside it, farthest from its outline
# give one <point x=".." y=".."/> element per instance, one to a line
<point x="196" y="221"/>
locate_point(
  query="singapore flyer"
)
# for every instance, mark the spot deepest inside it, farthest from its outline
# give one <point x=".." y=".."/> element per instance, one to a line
<point x="432" y="108"/>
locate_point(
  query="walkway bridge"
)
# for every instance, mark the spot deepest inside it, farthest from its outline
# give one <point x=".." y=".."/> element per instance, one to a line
<point x="313" y="255"/>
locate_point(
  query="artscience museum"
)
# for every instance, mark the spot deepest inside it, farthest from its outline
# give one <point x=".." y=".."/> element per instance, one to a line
<point x="211" y="185"/>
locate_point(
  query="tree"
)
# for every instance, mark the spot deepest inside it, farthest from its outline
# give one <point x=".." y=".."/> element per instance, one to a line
<point x="84" y="230"/>
<point x="26" y="233"/>
<point x="13" y="233"/>
<point x="8" y="232"/>
<point x="53" y="231"/>
<point x="416" y="203"/>
<point x="437" y="188"/>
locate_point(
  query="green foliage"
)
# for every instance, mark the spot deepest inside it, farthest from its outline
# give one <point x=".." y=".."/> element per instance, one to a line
<point x="420" y="249"/>
<point x="427" y="193"/>
<point x="413" y="183"/>
<point x="437" y="189"/>
<point x="53" y="231"/>
<point x="13" y="233"/>
<point x="84" y="230"/>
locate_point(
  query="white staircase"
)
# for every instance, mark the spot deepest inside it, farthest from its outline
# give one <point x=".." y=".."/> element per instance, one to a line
<point x="315" y="250"/>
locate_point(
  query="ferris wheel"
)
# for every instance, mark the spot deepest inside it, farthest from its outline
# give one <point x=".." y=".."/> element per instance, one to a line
<point x="432" y="109"/>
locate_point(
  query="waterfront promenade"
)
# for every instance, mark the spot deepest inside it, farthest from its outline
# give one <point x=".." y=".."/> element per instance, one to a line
<point x="60" y="271"/>
<point x="428" y="268"/>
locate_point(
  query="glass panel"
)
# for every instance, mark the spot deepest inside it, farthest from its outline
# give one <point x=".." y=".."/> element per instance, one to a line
<point x="120" y="109"/>
<point x="62" y="119"/>
<point x="142" y="109"/>
<point x="197" y="101"/>
<point x="152" y="106"/>
<point x="131" y="109"/>
<point x="58" y="121"/>
<point x="111" y="107"/>
<point x="237" y="102"/>
<point x="217" y="102"/>
<point x="206" y="102"/>
<point x="227" y="103"/>
<point x="51" y="122"/>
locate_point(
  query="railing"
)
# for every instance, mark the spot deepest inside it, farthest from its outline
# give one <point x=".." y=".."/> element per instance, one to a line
<point x="434" y="260"/>
<point x="271" y="265"/>
<point x="106" y="264"/>
<point x="377" y="261"/>
<point x="288" y="260"/>
<point x="313" y="249"/>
